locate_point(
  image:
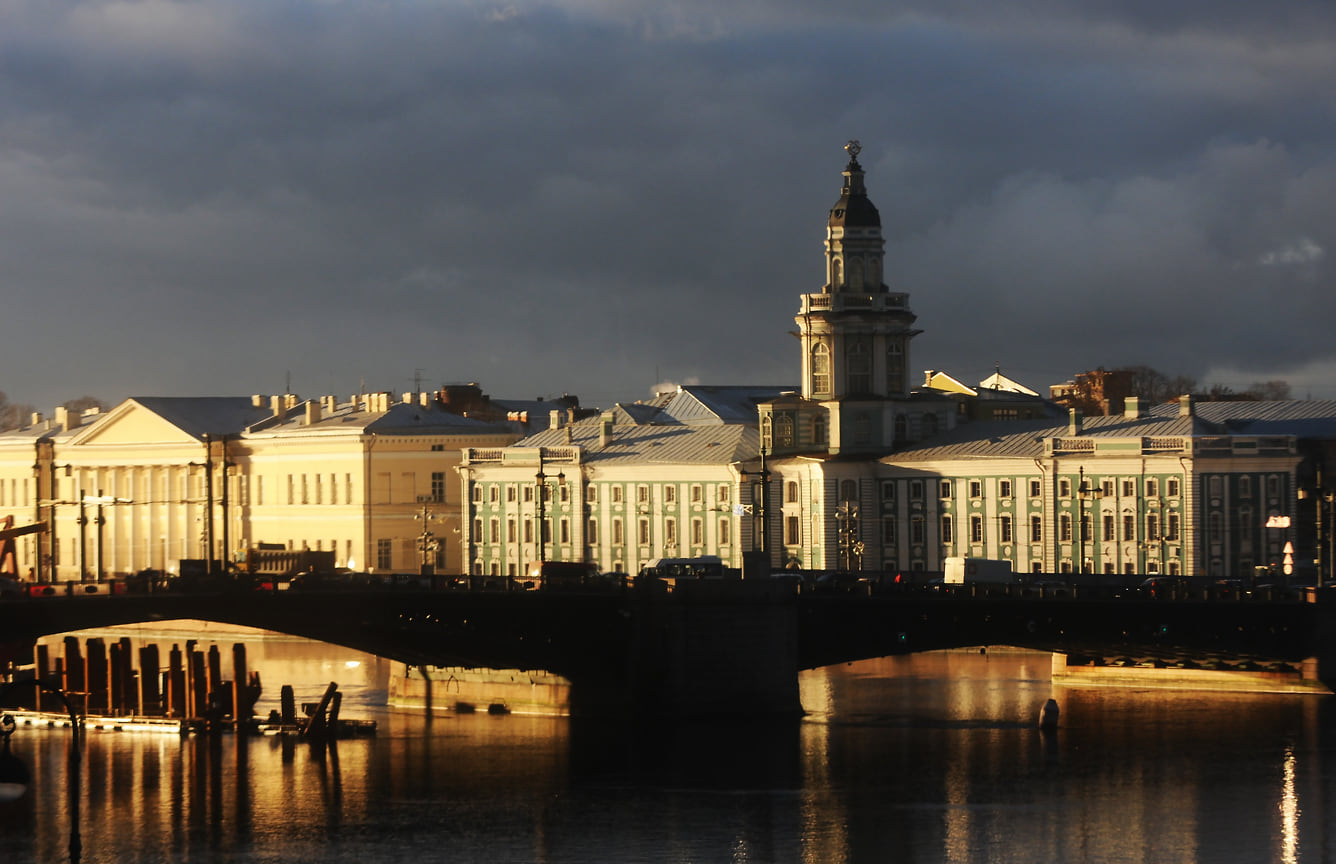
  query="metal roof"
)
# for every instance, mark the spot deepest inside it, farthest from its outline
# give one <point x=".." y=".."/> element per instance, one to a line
<point x="703" y="404"/>
<point x="656" y="443"/>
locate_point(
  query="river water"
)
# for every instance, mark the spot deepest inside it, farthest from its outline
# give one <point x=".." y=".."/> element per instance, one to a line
<point x="933" y="758"/>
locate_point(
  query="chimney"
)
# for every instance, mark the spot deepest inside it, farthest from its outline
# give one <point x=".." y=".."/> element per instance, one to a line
<point x="605" y="429"/>
<point x="290" y="400"/>
<point x="257" y="401"/>
<point x="312" y="413"/>
<point x="67" y="419"/>
<point x="567" y="429"/>
<point x="408" y="399"/>
<point x="1185" y="405"/>
<point x="1132" y="407"/>
<point x="554" y="419"/>
<point x="35" y="419"/>
<point x="927" y="377"/>
<point x="1074" y="421"/>
<point x="276" y="405"/>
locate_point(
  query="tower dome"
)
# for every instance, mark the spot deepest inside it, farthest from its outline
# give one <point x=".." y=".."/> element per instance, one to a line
<point x="854" y="210"/>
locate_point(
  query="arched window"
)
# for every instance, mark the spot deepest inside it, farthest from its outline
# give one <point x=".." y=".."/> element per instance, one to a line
<point x="860" y="368"/>
<point x="856" y="274"/>
<point x="835" y="274"/>
<point x="820" y="368"/>
<point x="791" y="492"/>
<point x="848" y="490"/>
<point x="895" y="367"/>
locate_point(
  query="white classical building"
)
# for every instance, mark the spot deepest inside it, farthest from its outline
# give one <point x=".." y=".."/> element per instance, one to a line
<point x="159" y="479"/>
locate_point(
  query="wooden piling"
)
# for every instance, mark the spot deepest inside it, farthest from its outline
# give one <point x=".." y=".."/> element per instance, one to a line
<point x="176" y="683"/>
<point x="75" y="681"/>
<point x="150" y="695"/>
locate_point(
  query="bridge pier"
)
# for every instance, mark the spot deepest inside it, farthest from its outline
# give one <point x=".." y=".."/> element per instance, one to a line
<point x="708" y="648"/>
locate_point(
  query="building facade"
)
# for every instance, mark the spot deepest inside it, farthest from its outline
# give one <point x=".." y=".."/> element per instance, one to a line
<point x="157" y="480"/>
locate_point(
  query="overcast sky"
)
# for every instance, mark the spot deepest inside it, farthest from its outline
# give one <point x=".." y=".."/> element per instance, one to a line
<point x="226" y="197"/>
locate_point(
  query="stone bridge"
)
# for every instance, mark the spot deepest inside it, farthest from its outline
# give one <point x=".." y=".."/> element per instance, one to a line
<point x="709" y="647"/>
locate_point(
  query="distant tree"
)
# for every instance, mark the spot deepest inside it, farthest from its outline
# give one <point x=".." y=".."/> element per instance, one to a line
<point x="83" y="403"/>
<point x="13" y="415"/>
<point x="1270" y="391"/>
<point x="1155" y="386"/>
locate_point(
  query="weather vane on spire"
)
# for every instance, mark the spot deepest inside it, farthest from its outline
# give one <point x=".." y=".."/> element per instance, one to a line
<point x="854" y="149"/>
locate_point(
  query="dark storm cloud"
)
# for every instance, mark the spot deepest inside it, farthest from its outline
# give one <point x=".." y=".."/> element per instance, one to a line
<point x="205" y="197"/>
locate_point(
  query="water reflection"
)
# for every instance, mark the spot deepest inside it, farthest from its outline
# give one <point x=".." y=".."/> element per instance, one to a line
<point x="927" y="759"/>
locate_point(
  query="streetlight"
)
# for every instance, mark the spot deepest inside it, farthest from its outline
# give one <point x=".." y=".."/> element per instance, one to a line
<point x="1084" y="492"/>
<point x="427" y="542"/>
<point x="541" y="483"/>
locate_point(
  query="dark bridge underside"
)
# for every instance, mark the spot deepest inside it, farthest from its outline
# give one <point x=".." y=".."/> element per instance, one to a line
<point x="839" y="629"/>
<point x="641" y="648"/>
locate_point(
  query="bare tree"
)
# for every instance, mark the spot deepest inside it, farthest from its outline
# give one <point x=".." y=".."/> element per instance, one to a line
<point x="1270" y="391"/>
<point x="83" y="403"/>
<point x="1155" y="386"/>
<point x="13" y="415"/>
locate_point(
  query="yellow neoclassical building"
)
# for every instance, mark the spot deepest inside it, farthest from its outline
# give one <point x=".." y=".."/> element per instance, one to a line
<point x="159" y="479"/>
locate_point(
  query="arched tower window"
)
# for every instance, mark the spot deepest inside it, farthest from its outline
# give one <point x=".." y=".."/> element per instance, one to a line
<point x="860" y="368"/>
<point x="856" y="274"/>
<point x="895" y="367"/>
<point x="820" y="369"/>
<point x="836" y="276"/>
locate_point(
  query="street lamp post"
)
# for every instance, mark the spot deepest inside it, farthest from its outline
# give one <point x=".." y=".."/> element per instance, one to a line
<point x="427" y="542"/>
<point x="541" y="491"/>
<point x="1084" y="492"/>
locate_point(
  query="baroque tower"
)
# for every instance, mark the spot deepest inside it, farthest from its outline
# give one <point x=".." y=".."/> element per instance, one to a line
<point x="855" y="332"/>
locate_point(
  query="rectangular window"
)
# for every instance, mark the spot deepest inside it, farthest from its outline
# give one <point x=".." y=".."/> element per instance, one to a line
<point x="1106" y="487"/>
<point x="643" y="530"/>
<point x="1109" y="527"/>
<point x="724" y="494"/>
<point x="617" y="537"/>
<point x="493" y="493"/>
<point x="510" y="493"/>
<point x="697" y="532"/>
<point x="888" y="532"/>
<point x="916" y="489"/>
<point x="1152" y="526"/>
<point x="1152" y="488"/>
<point x="1086" y="527"/>
<point x="510" y="530"/>
<point x="976" y="529"/>
<point x="1065" y="528"/>
<point x="696" y="493"/>
<point x="292" y="498"/>
<point x="670" y="532"/>
<point x="1004" y="488"/>
<point x="564" y="492"/>
<point x="528" y="530"/>
<point x="1004" y="527"/>
<point x="565" y="529"/>
<point x="791" y="533"/>
<point x="591" y="494"/>
<point x="1064" y="488"/>
<point x="616" y="494"/>
<point x="947" y="526"/>
<point x="477" y="493"/>
<point x="385" y="553"/>
<point x="670" y="494"/>
<point x="438" y="487"/>
<point x="976" y="489"/>
<point x="1245" y="487"/>
<point x="1129" y="488"/>
<point x="916" y="529"/>
<point x="1036" y="488"/>
<point x="1171" y="487"/>
<point x="528" y="494"/>
<point x="1171" y="527"/>
<point x="1129" y="527"/>
<point x="725" y="531"/>
<point x="888" y="491"/>
<point x="494" y="535"/>
<point x="591" y="532"/>
<point x="945" y="491"/>
<point x="642" y="494"/>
